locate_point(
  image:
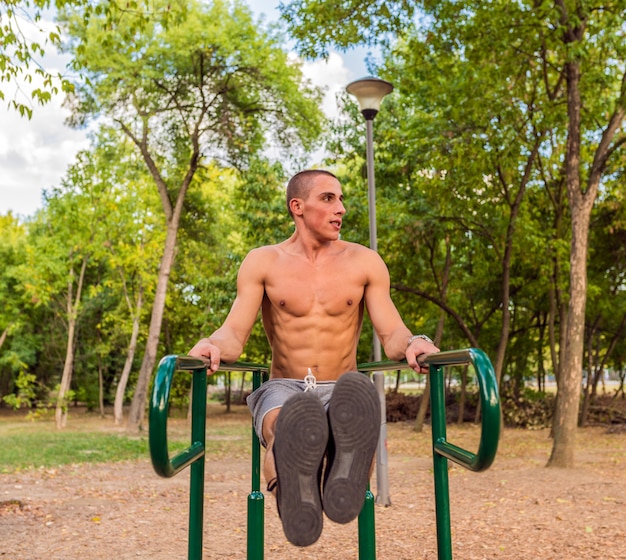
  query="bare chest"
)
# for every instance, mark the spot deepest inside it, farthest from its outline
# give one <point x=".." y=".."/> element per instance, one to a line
<point x="332" y="289"/>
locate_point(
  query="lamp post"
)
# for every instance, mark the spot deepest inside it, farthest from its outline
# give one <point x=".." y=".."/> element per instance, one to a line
<point x="369" y="92"/>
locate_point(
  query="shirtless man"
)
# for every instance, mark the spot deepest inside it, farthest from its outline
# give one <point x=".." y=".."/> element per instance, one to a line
<point x="312" y="290"/>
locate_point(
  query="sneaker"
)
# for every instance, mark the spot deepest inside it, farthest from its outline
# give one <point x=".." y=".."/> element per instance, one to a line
<point x="299" y="448"/>
<point x="354" y="418"/>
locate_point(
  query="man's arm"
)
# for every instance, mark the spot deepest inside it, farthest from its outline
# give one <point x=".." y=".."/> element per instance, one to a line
<point x="227" y="343"/>
<point x="395" y="337"/>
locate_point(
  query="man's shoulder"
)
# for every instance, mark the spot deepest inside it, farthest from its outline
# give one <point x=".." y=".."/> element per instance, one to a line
<point x="261" y="256"/>
<point x="256" y="267"/>
<point x="351" y="245"/>
<point x="356" y="250"/>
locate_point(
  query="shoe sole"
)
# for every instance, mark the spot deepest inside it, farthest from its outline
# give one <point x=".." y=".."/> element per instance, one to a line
<point x="299" y="448"/>
<point x="354" y="418"/>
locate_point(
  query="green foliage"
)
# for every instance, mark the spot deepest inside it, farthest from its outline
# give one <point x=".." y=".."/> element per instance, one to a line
<point x="24" y="391"/>
<point x="318" y="25"/>
<point x="189" y="71"/>
<point x="25" y="37"/>
<point x="478" y="117"/>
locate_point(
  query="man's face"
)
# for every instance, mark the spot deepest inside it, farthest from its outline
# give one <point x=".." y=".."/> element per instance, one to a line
<point x="323" y="209"/>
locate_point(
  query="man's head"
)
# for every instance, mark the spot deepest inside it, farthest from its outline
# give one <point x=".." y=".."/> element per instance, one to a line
<point x="300" y="185"/>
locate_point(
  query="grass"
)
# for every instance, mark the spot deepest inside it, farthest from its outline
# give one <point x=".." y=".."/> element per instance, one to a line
<point x="88" y="438"/>
<point x="26" y="444"/>
<point x="50" y="448"/>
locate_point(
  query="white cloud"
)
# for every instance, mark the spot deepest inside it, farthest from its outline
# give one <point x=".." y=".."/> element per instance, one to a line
<point x="34" y="155"/>
<point x="332" y="76"/>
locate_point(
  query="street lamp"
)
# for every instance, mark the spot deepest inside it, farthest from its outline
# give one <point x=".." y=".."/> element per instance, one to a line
<point x="369" y="92"/>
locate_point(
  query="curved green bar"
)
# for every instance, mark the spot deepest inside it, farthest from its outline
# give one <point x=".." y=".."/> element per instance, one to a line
<point x="194" y="454"/>
<point x="489" y="401"/>
<point x="442" y="449"/>
<point x="490" y="410"/>
<point x="159" y="407"/>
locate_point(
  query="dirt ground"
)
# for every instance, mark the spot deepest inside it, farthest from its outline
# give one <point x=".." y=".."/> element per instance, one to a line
<point x="518" y="509"/>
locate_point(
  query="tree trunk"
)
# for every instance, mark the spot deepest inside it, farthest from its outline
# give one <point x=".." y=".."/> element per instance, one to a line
<point x="568" y="402"/>
<point x="118" y="406"/>
<point x="397" y="387"/>
<point x="172" y="217"/>
<point x="463" y="398"/>
<point x="227" y="390"/>
<point x="568" y="390"/>
<point x="581" y="203"/>
<point x="424" y="402"/>
<point x="4" y="334"/>
<point x="582" y="419"/>
<point x="60" y="413"/>
<point x="622" y="377"/>
<point x="138" y="405"/>
<point x="242" y="388"/>
<point x="505" y="328"/>
<point x="100" y="388"/>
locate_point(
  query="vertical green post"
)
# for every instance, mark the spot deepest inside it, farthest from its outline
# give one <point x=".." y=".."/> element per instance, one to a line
<point x="367" y="529"/>
<point x="198" y="434"/>
<point x="440" y="463"/>
<point x="256" y="500"/>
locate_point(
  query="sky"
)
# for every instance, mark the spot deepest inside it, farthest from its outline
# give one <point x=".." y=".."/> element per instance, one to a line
<point x="35" y="153"/>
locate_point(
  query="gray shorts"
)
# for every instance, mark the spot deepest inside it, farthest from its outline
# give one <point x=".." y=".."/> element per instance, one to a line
<point x="273" y="394"/>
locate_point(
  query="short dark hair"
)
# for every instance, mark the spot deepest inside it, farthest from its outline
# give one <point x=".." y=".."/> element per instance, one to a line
<point x="300" y="184"/>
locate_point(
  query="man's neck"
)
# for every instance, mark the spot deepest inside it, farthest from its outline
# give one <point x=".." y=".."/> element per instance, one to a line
<point x="309" y="247"/>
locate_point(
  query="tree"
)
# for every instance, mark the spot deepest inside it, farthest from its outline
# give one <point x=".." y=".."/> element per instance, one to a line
<point x="28" y="33"/>
<point x="190" y="83"/>
<point x="585" y="33"/>
<point x="575" y="51"/>
<point x="133" y="235"/>
<point x="65" y="242"/>
<point x="13" y="237"/>
<point x="606" y="306"/>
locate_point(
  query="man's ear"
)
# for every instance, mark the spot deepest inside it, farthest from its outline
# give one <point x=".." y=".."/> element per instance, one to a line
<point x="295" y="205"/>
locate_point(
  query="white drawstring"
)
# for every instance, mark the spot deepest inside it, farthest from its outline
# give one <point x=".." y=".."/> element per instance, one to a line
<point x="309" y="381"/>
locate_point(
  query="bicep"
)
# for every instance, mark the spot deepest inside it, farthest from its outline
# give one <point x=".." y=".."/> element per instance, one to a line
<point x="245" y="308"/>
<point x="380" y="307"/>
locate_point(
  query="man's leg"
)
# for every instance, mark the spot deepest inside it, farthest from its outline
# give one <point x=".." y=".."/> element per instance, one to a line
<point x="269" y="468"/>
<point x="354" y="418"/>
<point x="297" y="437"/>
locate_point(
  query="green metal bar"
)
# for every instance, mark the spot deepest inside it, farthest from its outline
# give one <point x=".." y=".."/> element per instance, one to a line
<point x="193" y="455"/>
<point x="440" y="463"/>
<point x="444" y="450"/>
<point x="367" y="528"/>
<point x="367" y="520"/>
<point x="198" y="436"/>
<point x="159" y="408"/>
<point x="489" y="400"/>
<point x="490" y="409"/>
<point x="256" y="500"/>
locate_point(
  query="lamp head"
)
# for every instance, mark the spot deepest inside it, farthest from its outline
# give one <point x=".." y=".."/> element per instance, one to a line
<point x="369" y="92"/>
